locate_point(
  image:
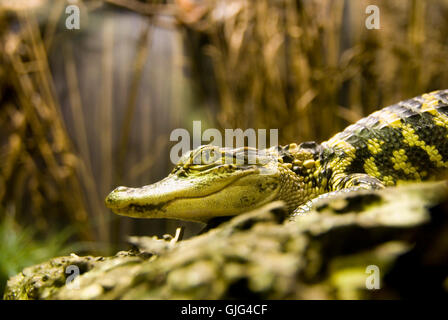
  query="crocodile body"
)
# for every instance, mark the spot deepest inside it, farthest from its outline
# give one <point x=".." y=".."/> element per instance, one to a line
<point x="407" y="141"/>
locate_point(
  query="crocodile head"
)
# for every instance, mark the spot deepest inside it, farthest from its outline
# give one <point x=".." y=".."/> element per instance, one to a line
<point x="207" y="182"/>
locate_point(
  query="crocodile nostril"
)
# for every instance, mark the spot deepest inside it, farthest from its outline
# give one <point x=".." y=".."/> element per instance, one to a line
<point x="120" y="189"/>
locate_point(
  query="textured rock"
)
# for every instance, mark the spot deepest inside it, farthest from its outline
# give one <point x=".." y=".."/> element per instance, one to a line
<point x="401" y="232"/>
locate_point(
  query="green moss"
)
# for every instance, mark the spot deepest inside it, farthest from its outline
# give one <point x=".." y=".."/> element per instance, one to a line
<point x="19" y="248"/>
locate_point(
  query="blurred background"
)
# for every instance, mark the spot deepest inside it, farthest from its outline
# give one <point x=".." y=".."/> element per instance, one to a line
<point x="85" y="110"/>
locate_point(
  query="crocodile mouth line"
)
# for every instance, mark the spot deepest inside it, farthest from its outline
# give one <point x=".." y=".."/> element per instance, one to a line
<point x="141" y="208"/>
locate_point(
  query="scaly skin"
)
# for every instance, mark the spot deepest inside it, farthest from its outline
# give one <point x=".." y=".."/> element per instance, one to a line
<point x="407" y="141"/>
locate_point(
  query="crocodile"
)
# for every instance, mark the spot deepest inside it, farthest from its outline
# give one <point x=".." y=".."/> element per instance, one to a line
<point x="407" y="141"/>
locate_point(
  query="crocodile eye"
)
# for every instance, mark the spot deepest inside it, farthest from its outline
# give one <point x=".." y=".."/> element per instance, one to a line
<point x="206" y="157"/>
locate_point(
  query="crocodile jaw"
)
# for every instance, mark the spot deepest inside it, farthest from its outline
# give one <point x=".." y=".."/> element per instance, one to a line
<point x="197" y="198"/>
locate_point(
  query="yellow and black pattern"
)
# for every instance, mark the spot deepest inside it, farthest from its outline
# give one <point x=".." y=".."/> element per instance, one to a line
<point x="407" y="141"/>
